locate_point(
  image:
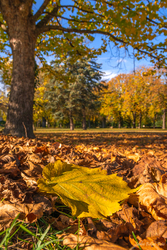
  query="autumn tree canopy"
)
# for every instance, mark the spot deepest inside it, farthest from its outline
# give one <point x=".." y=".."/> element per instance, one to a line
<point x="58" y="27"/>
<point x="135" y="97"/>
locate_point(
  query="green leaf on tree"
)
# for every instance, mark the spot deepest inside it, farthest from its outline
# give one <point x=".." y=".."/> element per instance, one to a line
<point x="88" y="192"/>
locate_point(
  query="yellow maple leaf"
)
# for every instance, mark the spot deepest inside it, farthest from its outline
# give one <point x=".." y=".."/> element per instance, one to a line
<point x="88" y="192"/>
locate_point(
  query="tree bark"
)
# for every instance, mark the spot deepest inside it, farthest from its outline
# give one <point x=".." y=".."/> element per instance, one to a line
<point x="22" y="38"/>
<point x="164" y="119"/>
<point x="34" y="127"/>
<point x="104" y="122"/>
<point x="84" y="120"/>
<point x="43" y="122"/>
<point x="71" y="122"/>
<point x="140" y="120"/>
<point x="134" y="119"/>
<point x="89" y="124"/>
<point x="119" y="122"/>
<point x="154" y="119"/>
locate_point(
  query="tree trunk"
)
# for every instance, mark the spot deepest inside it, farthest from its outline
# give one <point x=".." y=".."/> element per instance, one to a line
<point x="21" y="32"/>
<point x="84" y="123"/>
<point x="43" y="122"/>
<point x="38" y="123"/>
<point x="119" y="123"/>
<point x="104" y="122"/>
<point x="140" y="120"/>
<point x="154" y="121"/>
<point x="89" y="123"/>
<point x="34" y="127"/>
<point x="134" y="119"/>
<point x="84" y="120"/>
<point x="164" y="119"/>
<point x="71" y="122"/>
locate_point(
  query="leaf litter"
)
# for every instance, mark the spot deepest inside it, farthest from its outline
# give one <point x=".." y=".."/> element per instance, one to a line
<point x="140" y="159"/>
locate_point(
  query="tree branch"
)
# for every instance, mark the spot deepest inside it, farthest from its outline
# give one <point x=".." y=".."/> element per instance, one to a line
<point x="74" y="30"/>
<point x="43" y="26"/>
<point x="159" y="48"/>
<point x="76" y="7"/>
<point x="152" y="21"/>
<point x="79" y="21"/>
<point x="79" y="8"/>
<point x="41" y="9"/>
<point x="88" y="11"/>
<point x="47" y="18"/>
<point x="74" y="20"/>
<point x="147" y="53"/>
<point x="30" y="3"/>
<point x="52" y="27"/>
<point x="70" y="42"/>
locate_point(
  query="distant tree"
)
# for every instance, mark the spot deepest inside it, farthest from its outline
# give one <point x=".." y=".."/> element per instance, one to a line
<point x="3" y="104"/>
<point x="112" y="100"/>
<point x="156" y="96"/>
<point x="40" y="112"/>
<point x="6" y="70"/>
<point x="135" y="92"/>
<point x="77" y="93"/>
<point x="61" y="101"/>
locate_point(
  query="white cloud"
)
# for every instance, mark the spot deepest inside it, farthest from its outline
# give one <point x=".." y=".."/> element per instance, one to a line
<point x="121" y="60"/>
<point x="108" y="75"/>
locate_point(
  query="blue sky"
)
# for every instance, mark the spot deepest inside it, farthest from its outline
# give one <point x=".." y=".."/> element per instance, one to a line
<point x="116" y="61"/>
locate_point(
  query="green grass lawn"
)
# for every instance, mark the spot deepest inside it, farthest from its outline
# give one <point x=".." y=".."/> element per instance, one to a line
<point x="99" y="130"/>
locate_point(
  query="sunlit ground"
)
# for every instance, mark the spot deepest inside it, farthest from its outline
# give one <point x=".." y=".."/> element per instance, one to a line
<point x="98" y="130"/>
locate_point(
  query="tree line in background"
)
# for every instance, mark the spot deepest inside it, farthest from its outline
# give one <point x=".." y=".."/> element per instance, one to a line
<point x="72" y="94"/>
<point x="79" y="97"/>
<point x="32" y="29"/>
<point x="136" y="99"/>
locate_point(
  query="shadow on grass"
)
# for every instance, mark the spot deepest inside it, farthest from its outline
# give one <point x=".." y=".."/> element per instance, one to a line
<point x="141" y="139"/>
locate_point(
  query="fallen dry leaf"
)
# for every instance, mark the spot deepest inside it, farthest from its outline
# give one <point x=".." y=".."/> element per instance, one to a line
<point x="151" y="199"/>
<point x="87" y="242"/>
<point x="134" y="157"/>
<point x="63" y="222"/>
<point x="91" y="228"/>
<point x="10" y="169"/>
<point x="130" y="214"/>
<point x="157" y="229"/>
<point x="28" y="212"/>
<point x="149" y="243"/>
<point x="33" y="170"/>
<point x="113" y="234"/>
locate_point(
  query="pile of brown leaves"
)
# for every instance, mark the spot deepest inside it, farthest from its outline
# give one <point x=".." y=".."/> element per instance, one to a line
<point x="139" y="158"/>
